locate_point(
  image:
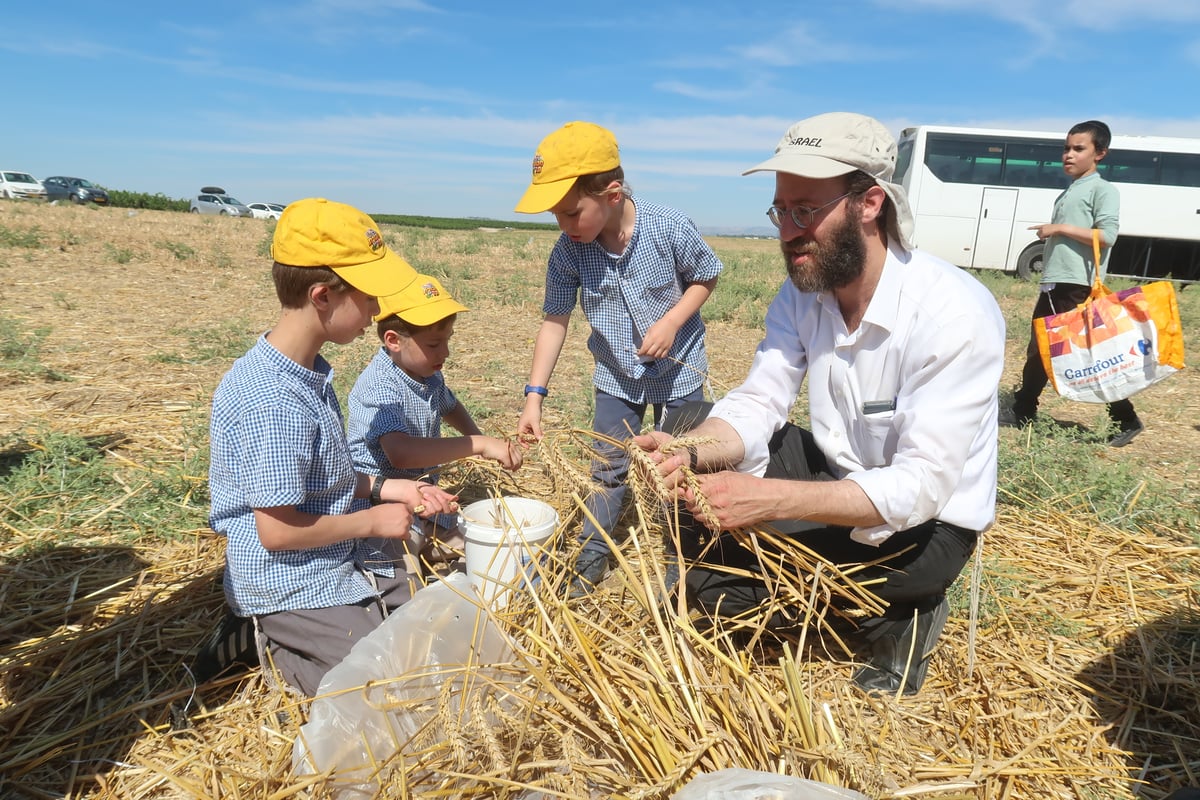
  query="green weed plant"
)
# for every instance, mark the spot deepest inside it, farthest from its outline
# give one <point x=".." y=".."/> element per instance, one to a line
<point x="181" y="250"/>
<point x="746" y="287"/>
<point x="30" y="238"/>
<point x="119" y="255"/>
<point x="20" y="350"/>
<point x="120" y="198"/>
<point x="64" y="487"/>
<point x="1050" y="464"/>
<point x="458" y="223"/>
<point x="224" y="342"/>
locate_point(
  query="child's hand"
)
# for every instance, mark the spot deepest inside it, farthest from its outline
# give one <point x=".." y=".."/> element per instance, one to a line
<point x="507" y="453"/>
<point x="421" y="498"/>
<point x="659" y="340"/>
<point x="391" y="520"/>
<point x="434" y="500"/>
<point x="530" y="423"/>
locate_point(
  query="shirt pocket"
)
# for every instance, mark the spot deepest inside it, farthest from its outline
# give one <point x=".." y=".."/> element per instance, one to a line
<point x="593" y="300"/>
<point x="876" y="438"/>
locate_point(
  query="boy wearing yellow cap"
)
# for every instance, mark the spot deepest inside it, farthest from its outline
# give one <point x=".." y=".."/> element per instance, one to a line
<point x="285" y="492"/>
<point x="641" y="272"/>
<point x="400" y="400"/>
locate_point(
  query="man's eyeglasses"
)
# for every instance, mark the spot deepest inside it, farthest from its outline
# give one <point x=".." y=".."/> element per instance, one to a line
<point x="801" y="217"/>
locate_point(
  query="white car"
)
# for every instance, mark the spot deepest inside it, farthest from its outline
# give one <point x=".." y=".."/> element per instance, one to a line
<point x="20" y="186"/>
<point x="265" y="210"/>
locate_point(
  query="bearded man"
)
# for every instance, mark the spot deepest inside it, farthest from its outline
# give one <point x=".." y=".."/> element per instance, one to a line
<point x="903" y="354"/>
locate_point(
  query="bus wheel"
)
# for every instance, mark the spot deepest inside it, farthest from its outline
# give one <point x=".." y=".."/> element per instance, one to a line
<point x="1029" y="263"/>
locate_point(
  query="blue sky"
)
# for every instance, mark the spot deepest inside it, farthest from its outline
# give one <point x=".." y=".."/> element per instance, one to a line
<point x="411" y="107"/>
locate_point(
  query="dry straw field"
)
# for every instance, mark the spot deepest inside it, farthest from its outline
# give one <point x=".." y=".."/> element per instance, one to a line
<point x="1068" y="669"/>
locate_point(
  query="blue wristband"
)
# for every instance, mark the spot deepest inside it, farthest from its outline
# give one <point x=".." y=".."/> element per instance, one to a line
<point x="536" y="390"/>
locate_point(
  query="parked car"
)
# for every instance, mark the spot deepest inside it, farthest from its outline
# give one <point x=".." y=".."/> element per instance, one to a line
<point x="20" y="186"/>
<point x="266" y="210"/>
<point x="77" y="190"/>
<point x="213" y="200"/>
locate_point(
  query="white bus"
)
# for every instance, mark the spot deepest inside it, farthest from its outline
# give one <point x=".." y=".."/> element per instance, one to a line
<point x="975" y="192"/>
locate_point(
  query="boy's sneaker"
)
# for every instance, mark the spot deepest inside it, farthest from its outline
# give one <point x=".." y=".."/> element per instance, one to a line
<point x="1012" y="417"/>
<point x="590" y="568"/>
<point x="230" y="645"/>
<point x="1127" y="433"/>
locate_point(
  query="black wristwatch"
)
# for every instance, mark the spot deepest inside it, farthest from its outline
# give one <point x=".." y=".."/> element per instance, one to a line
<point x="377" y="490"/>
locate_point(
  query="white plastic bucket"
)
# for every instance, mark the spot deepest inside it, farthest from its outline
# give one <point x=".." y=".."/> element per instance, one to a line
<point x="503" y="536"/>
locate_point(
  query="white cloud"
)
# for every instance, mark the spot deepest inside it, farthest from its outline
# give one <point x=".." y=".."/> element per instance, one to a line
<point x="1192" y="52"/>
<point x="1047" y="19"/>
<point x="754" y="88"/>
<point x="796" y="45"/>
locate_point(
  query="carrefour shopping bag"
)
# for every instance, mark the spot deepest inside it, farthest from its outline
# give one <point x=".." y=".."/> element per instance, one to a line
<point x="1114" y="344"/>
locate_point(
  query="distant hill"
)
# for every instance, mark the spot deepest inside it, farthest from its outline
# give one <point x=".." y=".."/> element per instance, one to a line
<point x="759" y="232"/>
<point x="460" y="223"/>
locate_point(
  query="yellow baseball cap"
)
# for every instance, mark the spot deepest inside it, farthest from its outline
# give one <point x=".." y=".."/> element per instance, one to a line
<point x="577" y="148"/>
<point x="316" y="232"/>
<point x="424" y="302"/>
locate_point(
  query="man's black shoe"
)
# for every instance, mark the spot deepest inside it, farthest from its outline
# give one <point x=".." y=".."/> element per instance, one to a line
<point x="888" y="643"/>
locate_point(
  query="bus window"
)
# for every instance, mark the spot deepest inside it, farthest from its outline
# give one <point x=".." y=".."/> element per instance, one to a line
<point x="1129" y="166"/>
<point x="957" y="159"/>
<point x="903" y="160"/>
<point x="1180" y="169"/>
<point x="1036" y="165"/>
<point x="1019" y="171"/>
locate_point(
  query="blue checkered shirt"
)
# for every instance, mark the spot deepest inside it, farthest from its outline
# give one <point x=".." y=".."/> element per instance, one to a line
<point x="622" y="296"/>
<point x="277" y="440"/>
<point x="385" y="399"/>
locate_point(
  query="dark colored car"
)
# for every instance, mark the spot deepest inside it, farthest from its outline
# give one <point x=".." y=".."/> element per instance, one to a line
<point x="77" y="190"/>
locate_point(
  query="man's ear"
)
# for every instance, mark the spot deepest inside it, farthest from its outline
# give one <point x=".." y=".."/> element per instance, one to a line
<point x="873" y="201"/>
<point x="1100" y="154"/>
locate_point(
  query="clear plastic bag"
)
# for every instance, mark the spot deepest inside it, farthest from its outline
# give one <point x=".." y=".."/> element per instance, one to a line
<point x="746" y="784"/>
<point x="370" y="705"/>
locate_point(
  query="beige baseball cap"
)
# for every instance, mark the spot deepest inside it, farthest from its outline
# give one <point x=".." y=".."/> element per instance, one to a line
<point x="838" y="143"/>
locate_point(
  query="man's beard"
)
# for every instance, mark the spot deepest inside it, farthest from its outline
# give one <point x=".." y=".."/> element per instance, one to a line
<point x="830" y="265"/>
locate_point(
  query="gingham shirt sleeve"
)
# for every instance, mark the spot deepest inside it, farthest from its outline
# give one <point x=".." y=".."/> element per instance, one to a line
<point x="562" y="281"/>
<point x="272" y="467"/>
<point x="697" y="261"/>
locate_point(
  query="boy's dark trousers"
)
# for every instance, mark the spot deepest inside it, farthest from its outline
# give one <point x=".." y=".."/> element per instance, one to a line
<point x="1062" y="297"/>
<point x="615" y="417"/>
